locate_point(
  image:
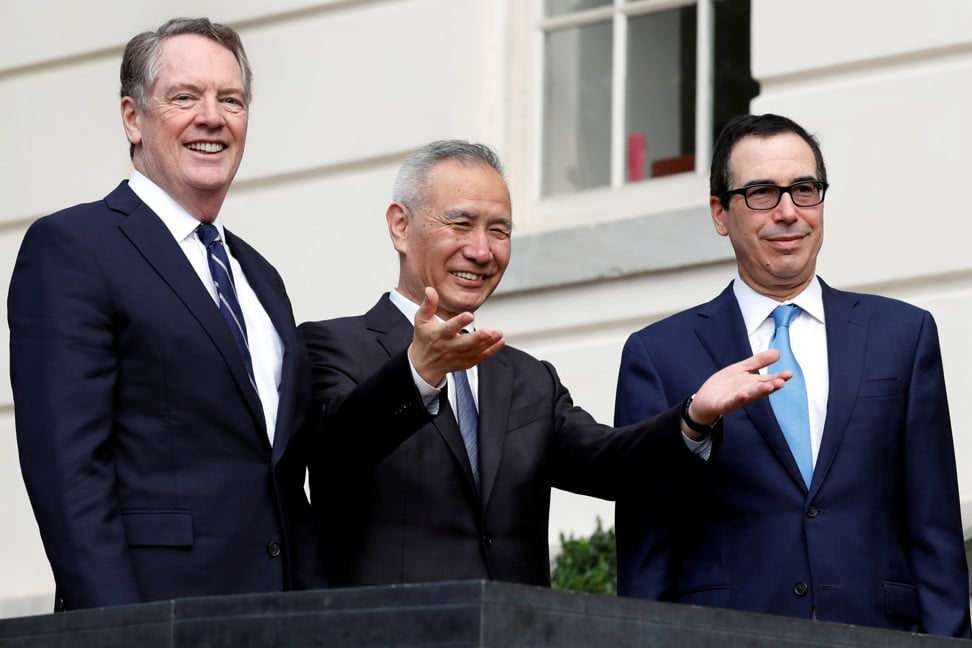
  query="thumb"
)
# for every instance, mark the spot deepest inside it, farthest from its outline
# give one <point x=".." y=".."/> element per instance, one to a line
<point x="429" y="305"/>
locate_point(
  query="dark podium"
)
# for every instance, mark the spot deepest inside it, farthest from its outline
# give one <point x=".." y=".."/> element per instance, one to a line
<point x="460" y="614"/>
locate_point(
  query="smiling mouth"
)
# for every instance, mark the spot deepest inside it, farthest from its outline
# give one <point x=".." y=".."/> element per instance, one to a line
<point x="469" y="276"/>
<point x="206" y="147"/>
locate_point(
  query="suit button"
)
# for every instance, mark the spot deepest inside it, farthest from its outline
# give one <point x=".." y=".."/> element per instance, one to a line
<point x="273" y="548"/>
<point x="812" y="511"/>
<point x="488" y="541"/>
<point x="800" y="589"/>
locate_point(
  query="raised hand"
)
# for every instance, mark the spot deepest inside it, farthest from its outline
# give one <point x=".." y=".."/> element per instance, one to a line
<point x="736" y="385"/>
<point x="437" y="346"/>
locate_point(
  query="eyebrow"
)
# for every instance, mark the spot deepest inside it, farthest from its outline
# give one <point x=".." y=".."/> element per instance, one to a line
<point x="456" y="214"/>
<point x="753" y="183"/>
<point x="183" y="87"/>
<point x="196" y="89"/>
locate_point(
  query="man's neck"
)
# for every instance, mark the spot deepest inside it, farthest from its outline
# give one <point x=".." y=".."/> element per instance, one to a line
<point x="204" y="205"/>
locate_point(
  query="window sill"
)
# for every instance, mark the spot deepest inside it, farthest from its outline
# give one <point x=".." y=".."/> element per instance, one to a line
<point x="608" y="250"/>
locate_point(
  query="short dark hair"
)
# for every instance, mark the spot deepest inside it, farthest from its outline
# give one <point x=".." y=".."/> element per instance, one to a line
<point x="140" y="62"/>
<point x="412" y="182"/>
<point x="720" y="175"/>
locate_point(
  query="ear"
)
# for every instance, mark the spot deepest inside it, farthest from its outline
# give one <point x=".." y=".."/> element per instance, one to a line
<point x="719" y="215"/>
<point x="399" y="220"/>
<point x="131" y="120"/>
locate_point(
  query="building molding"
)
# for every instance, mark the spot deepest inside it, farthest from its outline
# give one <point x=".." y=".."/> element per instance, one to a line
<point x="608" y="250"/>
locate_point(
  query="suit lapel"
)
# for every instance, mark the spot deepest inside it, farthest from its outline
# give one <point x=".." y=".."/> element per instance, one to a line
<point x="394" y="333"/>
<point x="495" y="400"/>
<point x="155" y="243"/>
<point x="846" y="349"/>
<point x="277" y="306"/>
<point x="393" y="330"/>
<point x="722" y="332"/>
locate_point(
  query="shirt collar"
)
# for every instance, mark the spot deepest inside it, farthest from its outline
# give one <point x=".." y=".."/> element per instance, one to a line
<point x="176" y="218"/>
<point x="756" y="307"/>
<point x="409" y="308"/>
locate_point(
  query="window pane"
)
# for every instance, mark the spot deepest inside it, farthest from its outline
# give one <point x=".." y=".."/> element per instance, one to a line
<point x="577" y="109"/>
<point x="560" y="7"/>
<point x="660" y="107"/>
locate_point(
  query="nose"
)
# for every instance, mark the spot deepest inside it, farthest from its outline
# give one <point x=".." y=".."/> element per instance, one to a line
<point x="477" y="247"/>
<point x="786" y="210"/>
<point x="209" y="112"/>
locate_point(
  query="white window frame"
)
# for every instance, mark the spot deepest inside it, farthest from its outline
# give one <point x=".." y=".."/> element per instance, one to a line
<point x="536" y="213"/>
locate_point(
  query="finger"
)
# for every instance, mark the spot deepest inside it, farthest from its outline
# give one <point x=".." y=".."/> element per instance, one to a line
<point x="454" y="326"/>
<point x="473" y="357"/>
<point x="758" y="361"/>
<point x="428" y="306"/>
<point x="495" y="347"/>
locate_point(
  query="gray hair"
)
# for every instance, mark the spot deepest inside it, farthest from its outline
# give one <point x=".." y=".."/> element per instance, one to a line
<point x="412" y="182"/>
<point x="141" y="61"/>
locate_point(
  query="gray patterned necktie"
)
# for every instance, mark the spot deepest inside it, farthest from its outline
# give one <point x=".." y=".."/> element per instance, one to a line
<point x="468" y="419"/>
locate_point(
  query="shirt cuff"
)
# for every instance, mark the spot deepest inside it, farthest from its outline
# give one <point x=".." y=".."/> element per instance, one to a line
<point x="428" y="393"/>
<point x="701" y="449"/>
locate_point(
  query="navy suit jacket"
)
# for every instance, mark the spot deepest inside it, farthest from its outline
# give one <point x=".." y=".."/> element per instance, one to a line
<point x="877" y="539"/>
<point x="394" y="484"/>
<point x="142" y="443"/>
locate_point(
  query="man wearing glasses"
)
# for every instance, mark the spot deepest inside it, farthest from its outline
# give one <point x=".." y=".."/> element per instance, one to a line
<point x="835" y="499"/>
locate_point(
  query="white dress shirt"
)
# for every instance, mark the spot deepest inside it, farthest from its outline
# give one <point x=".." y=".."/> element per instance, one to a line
<point x="808" y="340"/>
<point x="266" y="347"/>
<point x="430" y="393"/>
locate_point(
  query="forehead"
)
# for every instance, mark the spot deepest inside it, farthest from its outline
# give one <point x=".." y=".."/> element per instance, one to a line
<point x="779" y="159"/>
<point x="192" y="56"/>
<point x="453" y="182"/>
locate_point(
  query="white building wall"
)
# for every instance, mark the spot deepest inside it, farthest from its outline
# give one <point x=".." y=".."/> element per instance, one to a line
<point x="344" y="88"/>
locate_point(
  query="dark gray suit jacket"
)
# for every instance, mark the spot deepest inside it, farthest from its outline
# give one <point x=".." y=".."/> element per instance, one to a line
<point x="393" y="487"/>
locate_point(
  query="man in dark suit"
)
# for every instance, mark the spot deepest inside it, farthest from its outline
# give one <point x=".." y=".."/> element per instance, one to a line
<point x="840" y="505"/>
<point x="411" y="491"/>
<point x="159" y="384"/>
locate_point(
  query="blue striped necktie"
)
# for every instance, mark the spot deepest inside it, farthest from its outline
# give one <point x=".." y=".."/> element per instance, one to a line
<point x="229" y="304"/>
<point x="468" y="419"/>
<point x="790" y="403"/>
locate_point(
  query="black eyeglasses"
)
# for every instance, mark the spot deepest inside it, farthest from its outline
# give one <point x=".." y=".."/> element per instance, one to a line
<point x="809" y="193"/>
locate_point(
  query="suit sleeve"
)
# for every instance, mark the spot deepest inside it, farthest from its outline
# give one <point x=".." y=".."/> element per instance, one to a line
<point x="363" y="416"/>
<point x="609" y="463"/>
<point x="640" y="391"/>
<point x="937" y="553"/>
<point x="63" y="372"/>
<point x="643" y="517"/>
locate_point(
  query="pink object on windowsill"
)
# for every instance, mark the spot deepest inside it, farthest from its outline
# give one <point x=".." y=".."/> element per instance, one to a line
<point x="636" y="157"/>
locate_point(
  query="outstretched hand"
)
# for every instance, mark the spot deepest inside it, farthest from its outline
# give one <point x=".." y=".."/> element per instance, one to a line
<point x="736" y="385"/>
<point x="437" y="347"/>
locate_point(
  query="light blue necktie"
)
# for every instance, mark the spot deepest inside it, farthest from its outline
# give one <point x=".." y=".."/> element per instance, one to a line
<point x="790" y="402"/>
<point x="229" y="304"/>
<point x="468" y="419"/>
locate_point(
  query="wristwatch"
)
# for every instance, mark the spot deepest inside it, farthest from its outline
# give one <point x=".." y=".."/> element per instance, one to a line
<point x="694" y="425"/>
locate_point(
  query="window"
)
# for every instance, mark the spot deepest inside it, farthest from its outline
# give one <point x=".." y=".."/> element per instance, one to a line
<point x="636" y="89"/>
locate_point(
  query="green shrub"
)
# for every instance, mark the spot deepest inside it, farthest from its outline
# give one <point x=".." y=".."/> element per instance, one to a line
<point x="587" y="564"/>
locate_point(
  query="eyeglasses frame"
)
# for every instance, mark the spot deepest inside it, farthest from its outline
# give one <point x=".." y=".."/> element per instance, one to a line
<point x="741" y="191"/>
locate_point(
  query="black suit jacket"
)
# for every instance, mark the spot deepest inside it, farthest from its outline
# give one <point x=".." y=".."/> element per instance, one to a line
<point x="142" y="443"/>
<point x="393" y="484"/>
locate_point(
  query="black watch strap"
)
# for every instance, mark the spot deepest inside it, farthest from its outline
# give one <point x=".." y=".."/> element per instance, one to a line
<point x="695" y="425"/>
